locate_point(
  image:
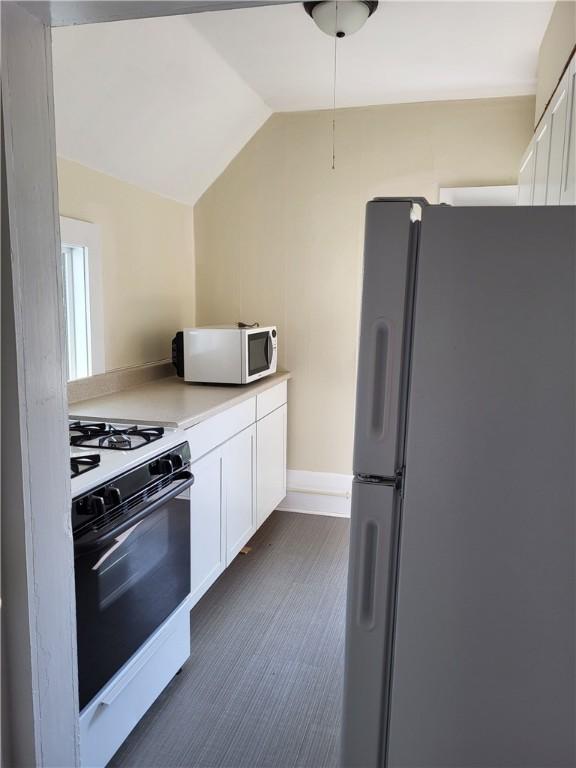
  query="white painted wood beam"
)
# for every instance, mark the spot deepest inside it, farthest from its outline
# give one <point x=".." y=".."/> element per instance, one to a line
<point x="61" y="13"/>
<point x="38" y="587"/>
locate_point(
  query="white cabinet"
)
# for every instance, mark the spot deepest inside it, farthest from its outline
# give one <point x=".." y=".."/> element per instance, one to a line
<point x="568" y="191"/>
<point x="558" y="112"/>
<point x="216" y="430"/>
<point x="541" y="159"/>
<point x="239" y="476"/>
<point x="222" y="508"/>
<point x="547" y="173"/>
<point x="271" y="399"/>
<point x="270" y="462"/>
<point x="239" y="468"/>
<point x="207" y="523"/>
<point x="526" y="177"/>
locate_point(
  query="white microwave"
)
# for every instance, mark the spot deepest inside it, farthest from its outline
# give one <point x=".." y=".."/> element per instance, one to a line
<point x="225" y="354"/>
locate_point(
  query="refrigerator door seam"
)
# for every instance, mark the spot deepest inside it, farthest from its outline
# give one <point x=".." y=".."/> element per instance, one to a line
<point x="393" y="482"/>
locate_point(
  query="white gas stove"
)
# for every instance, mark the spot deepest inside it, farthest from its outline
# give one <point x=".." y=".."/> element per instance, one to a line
<point x="130" y="521"/>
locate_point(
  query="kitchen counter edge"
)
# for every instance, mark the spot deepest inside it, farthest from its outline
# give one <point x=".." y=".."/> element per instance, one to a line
<point x="130" y="405"/>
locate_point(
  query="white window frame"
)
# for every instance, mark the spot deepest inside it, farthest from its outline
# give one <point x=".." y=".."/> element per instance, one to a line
<point x="505" y="194"/>
<point x="84" y="234"/>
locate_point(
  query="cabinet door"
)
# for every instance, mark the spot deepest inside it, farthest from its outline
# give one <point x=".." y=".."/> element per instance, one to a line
<point x="271" y="462"/>
<point x="541" y="161"/>
<point x="558" y="119"/>
<point x="206" y="523"/>
<point x="568" y="193"/>
<point x="526" y="177"/>
<point x="239" y="483"/>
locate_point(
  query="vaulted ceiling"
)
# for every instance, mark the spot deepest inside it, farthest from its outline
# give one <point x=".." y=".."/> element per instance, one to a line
<point x="407" y="51"/>
<point x="167" y="103"/>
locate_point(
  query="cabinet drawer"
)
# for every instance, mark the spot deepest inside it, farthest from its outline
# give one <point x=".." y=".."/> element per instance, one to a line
<point x="106" y="722"/>
<point x="217" y="429"/>
<point x="271" y="399"/>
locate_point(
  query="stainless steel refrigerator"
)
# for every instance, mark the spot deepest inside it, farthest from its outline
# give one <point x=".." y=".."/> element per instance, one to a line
<point x="460" y="636"/>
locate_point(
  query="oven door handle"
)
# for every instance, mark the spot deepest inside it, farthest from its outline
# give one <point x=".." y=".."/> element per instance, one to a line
<point x="91" y="543"/>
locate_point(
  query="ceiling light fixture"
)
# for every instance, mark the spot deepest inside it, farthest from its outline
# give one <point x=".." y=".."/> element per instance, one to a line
<point x="340" y="19"/>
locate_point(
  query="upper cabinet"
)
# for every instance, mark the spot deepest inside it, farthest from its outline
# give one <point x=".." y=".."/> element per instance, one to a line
<point x="541" y="162"/>
<point x="526" y="177"/>
<point x="547" y="174"/>
<point x="568" y="191"/>
<point x="556" y="116"/>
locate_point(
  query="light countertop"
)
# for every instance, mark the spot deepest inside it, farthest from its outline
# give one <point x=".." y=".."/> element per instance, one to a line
<point x="170" y="401"/>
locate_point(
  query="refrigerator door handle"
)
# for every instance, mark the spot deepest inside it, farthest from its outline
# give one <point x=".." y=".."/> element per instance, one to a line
<point x="380" y="385"/>
<point x="367" y="583"/>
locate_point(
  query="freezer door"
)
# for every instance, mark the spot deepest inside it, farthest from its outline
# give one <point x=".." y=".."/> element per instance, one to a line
<point x="389" y="248"/>
<point x="484" y="643"/>
<point x="371" y="578"/>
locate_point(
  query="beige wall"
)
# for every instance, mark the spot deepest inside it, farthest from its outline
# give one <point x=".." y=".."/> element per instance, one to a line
<point x="279" y="235"/>
<point x="147" y="262"/>
<point x="557" y="44"/>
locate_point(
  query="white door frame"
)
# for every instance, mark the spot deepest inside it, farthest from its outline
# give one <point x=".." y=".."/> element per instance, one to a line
<point x="38" y="575"/>
<point x="39" y="697"/>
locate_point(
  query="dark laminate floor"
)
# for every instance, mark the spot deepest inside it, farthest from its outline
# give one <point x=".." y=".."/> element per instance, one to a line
<point x="263" y="684"/>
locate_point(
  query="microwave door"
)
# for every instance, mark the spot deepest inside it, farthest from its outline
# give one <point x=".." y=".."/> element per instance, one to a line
<point x="258" y="354"/>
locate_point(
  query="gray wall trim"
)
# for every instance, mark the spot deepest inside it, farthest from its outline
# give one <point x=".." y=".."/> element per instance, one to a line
<point x="60" y="13"/>
<point x="44" y="645"/>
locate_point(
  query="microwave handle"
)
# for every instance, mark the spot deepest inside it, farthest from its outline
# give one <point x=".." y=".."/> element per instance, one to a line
<point x="269" y="350"/>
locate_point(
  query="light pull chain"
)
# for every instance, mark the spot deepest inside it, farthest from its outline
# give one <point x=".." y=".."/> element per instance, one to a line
<point x="334" y="94"/>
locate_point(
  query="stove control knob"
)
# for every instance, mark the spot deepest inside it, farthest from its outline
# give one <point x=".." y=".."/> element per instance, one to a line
<point x="176" y="460"/>
<point x="163" y="466"/>
<point x="97" y="505"/>
<point x="113" y="495"/>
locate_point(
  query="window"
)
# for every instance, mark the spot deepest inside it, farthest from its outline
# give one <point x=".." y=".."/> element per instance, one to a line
<point x="83" y="297"/>
<point x="76" y="286"/>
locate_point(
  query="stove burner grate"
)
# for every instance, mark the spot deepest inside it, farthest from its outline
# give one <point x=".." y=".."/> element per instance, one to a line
<point x="81" y="464"/>
<point x="111" y="436"/>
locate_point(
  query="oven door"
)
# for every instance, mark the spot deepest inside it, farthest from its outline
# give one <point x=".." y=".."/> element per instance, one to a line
<point x="127" y="588"/>
<point x="260" y="354"/>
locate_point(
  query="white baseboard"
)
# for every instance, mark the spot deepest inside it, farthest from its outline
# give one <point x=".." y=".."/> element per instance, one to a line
<point x="317" y="493"/>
